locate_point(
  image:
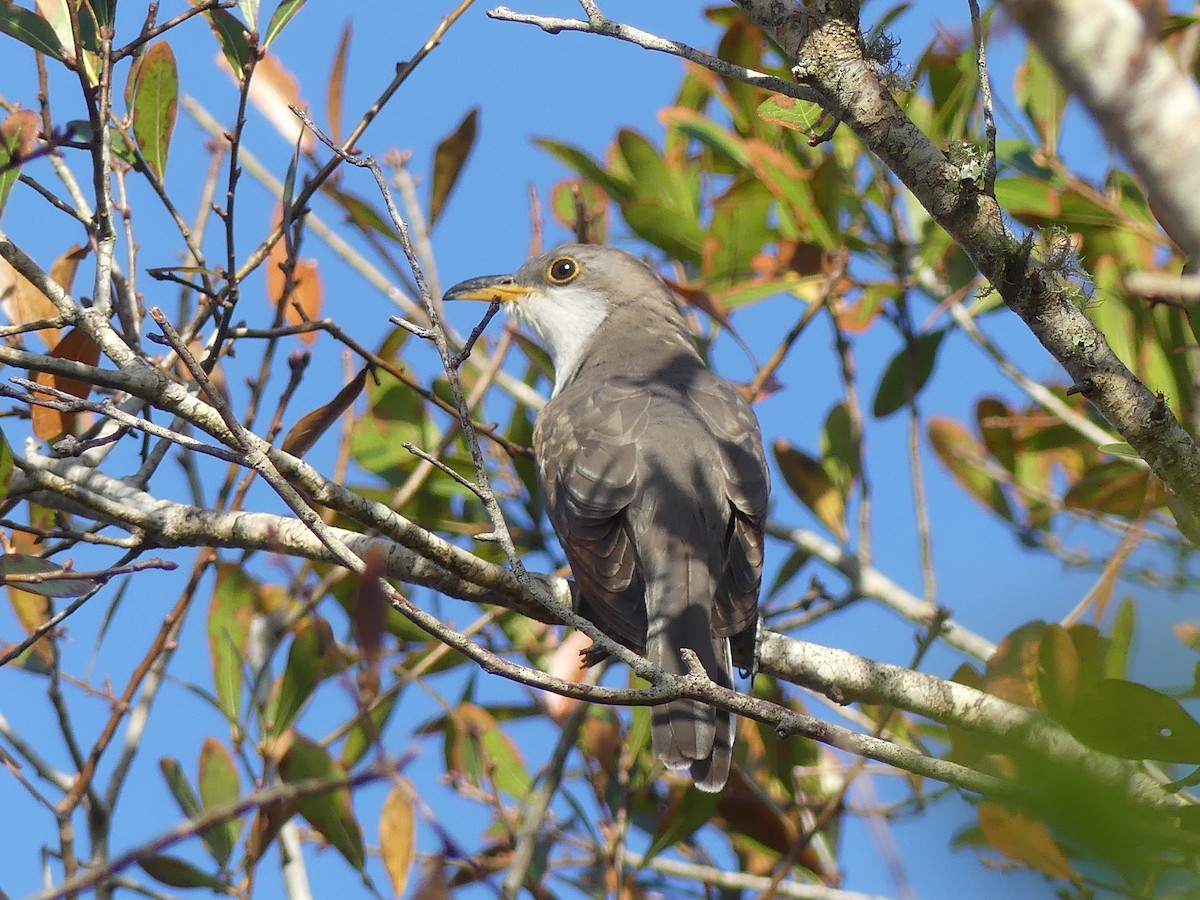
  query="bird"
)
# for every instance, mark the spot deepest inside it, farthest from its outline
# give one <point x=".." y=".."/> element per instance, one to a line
<point x="653" y="474"/>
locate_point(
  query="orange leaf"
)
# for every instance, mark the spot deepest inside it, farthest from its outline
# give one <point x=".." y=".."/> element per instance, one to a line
<point x="273" y="89"/>
<point x="23" y="303"/>
<point x="397" y="835"/>
<point x="1024" y="840"/>
<point x="78" y="347"/>
<point x="32" y="610"/>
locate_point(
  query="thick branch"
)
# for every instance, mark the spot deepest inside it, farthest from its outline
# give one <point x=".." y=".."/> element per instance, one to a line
<point x="829" y="54"/>
<point x="1145" y="104"/>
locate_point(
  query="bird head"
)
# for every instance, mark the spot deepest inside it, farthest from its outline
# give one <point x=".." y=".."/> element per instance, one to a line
<point x="565" y="295"/>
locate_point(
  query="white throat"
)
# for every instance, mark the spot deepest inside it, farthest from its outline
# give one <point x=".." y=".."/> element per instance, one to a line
<point x="565" y="322"/>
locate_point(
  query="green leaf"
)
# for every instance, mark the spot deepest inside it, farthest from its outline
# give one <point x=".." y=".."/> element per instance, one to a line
<point x="993" y="417"/>
<point x="231" y="35"/>
<point x="366" y="732"/>
<point x="694" y="810"/>
<point x="176" y="872"/>
<point x="219" y="786"/>
<point x="663" y="205"/>
<point x="793" y="564"/>
<point x="1116" y="660"/>
<point x="302" y="674"/>
<point x="329" y="813"/>
<point x="31" y="29"/>
<point x="363" y="215"/>
<point x="1134" y="721"/>
<point x="1030" y="199"/>
<point x="1041" y="95"/>
<point x="249" y="10"/>
<point x="18" y="139"/>
<point x="6" y="465"/>
<point x="726" y="146"/>
<point x="448" y="162"/>
<point x="229" y="617"/>
<point x="796" y="115"/>
<point x="180" y="787"/>
<point x="915" y="361"/>
<point x="476" y="748"/>
<point x="617" y="187"/>
<point x="155" y="104"/>
<point x="282" y="15"/>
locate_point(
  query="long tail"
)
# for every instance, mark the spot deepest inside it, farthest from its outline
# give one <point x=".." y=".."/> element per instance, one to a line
<point x="688" y="734"/>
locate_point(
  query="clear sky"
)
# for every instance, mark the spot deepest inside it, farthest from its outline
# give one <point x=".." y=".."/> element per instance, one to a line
<point x="578" y="88"/>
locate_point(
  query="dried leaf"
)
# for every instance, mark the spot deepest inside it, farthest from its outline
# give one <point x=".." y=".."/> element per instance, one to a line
<point x="335" y="96"/>
<point x="397" y="835"/>
<point x="313" y="424"/>
<point x="307" y="291"/>
<point x="448" y="162"/>
<point x="23" y="303"/>
<point x="368" y="616"/>
<point x="962" y="454"/>
<point x="76" y="346"/>
<point x="63" y="269"/>
<point x="273" y="89"/>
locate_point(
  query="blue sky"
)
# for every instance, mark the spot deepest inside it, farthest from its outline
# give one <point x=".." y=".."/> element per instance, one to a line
<point x="582" y="89"/>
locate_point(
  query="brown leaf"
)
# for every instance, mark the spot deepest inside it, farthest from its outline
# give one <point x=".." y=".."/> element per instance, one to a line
<point x="368" y="615"/>
<point x="313" y="424"/>
<point x="32" y="610"/>
<point x="448" y="162"/>
<point x="78" y="347"/>
<point x="273" y="89"/>
<point x="307" y="292"/>
<point x="962" y="454"/>
<point x="23" y="303"/>
<point x="337" y="81"/>
<point x="1024" y="840"/>
<point x="1115" y="487"/>
<point x="397" y="835"/>
<point x="1012" y="669"/>
<point x="813" y="486"/>
<point x="63" y="269"/>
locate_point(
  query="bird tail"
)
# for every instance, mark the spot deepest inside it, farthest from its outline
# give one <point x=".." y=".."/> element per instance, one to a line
<point x="688" y="734"/>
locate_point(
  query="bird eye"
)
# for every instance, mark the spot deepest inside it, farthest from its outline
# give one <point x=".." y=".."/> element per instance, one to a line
<point x="563" y="270"/>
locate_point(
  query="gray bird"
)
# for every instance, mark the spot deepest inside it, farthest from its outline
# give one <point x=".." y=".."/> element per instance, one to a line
<point x="654" y="477"/>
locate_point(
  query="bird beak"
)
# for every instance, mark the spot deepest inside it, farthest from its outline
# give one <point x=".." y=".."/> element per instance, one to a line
<point x="488" y="288"/>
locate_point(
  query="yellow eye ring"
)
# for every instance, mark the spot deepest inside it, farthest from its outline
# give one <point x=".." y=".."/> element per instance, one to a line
<point x="563" y="270"/>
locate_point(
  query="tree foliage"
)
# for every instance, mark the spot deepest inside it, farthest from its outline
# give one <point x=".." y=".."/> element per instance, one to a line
<point x="353" y="539"/>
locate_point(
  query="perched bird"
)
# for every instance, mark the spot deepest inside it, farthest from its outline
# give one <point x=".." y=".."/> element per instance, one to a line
<point x="654" y="477"/>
